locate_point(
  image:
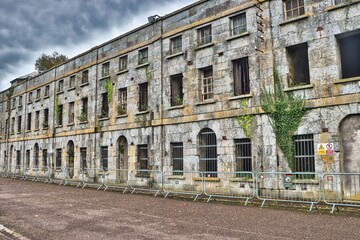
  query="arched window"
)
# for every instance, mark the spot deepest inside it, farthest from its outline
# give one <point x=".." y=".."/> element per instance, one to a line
<point x="208" y="152"/>
<point x="36" y="155"/>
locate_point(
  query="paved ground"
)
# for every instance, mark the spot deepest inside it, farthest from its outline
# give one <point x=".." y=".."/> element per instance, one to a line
<point x="48" y="211"/>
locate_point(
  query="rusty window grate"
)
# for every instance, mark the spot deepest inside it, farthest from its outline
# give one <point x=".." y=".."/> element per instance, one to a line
<point x="143" y="97"/>
<point x="294" y="8"/>
<point x="243" y="155"/>
<point x="208" y="152"/>
<point x="304" y="153"/>
<point x="176" y="85"/>
<point x="241" y="76"/>
<point x="177" y="156"/>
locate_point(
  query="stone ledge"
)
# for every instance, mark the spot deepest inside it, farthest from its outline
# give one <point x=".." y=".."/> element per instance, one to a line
<point x="300" y="87"/>
<point x="341" y="5"/>
<point x="142" y="65"/>
<point x="204" y="46"/>
<point x="205" y="102"/>
<point x="175" y="55"/>
<point x="346" y="80"/>
<point x="122" y="71"/>
<point x="175" y="177"/>
<point x="176" y="107"/>
<point x="207" y="179"/>
<point x="238" y="36"/>
<point x="240" y="97"/>
<point x="241" y="179"/>
<point x="306" y="15"/>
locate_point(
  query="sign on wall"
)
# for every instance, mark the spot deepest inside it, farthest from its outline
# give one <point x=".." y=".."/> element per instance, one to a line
<point x="325" y="149"/>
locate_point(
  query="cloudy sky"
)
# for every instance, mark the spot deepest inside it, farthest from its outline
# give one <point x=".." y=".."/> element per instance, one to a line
<point x="29" y="28"/>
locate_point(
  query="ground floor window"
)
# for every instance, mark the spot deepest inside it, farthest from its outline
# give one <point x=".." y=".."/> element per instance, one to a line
<point x="83" y="164"/>
<point x="243" y="161"/>
<point x="177" y="158"/>
<point x="58" y="158"/>
<point x="304" y="153"/>
<point x="104" y="158"/>
<point x="208" y="152"/>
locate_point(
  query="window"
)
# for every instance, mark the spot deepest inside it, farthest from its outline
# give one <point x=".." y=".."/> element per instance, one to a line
<point x="36" y="155"/>
<point x="123" y="61"/>
<point x="72" y="82"/>
<point x="304" y="153"/>
<point x="46" y="118"/>
<point x="176" y="85"/>
<point x="241" y="76"/>
<point x="122" y="101"/>
<point x="71" y="113"/>
<point x="85" y="76"/>
<point x="20" y="101"/>
<point x="104" y="158"/>
<point x="7" y="105"/>
<point x="243" y="162"/>
<point x="27" y="159"/>
<point x="204" y="35"/>
<point x="176" y="45"/>
<point x="59" y="114"/>
<point x="238" y="24"/>
<point x="349" y="48"/>
<point x="143" y="97"/>
<point x="105" y="70"/>
<point x="104" y="105"/>
<point x="18" y="158"/>
<point x="208" y="152"/>
<point x="83" y="164"/>
<point x="338" y="1"/>
<point x="13" y="103"/>
<point x="293" y="8"/>
<point x="84" y="110"/>
<point x="28" y="125"/>
<point x="143" y="159"/>
<point x="12" y="130"/>
<point x="60" y="86"/>
<point x="143" y="56"/>
<point x="58" y="158"/>
<point x="206" y="84"/>
<point x="38" y="94"/>
<point x="19" y="125"/>
<point x="29" y="97"/>
<point x="37" y="120"/>
<point x="298" y="65"/>
<point x="47" y="90"/>
<point x="177" y="158"/>
<point x="44" y="158"/>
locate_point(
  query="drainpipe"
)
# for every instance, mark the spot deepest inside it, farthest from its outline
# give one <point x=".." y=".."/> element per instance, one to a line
<point x="93" y="163"/>
<point x="162" y="129"/>
<point x="54" y="127"/>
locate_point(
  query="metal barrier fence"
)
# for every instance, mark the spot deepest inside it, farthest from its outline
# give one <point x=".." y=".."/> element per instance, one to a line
<point x="239" y="185"/>
<point x="342" y="189"/>
<point x="183" y="182"/>
<point x="146" y="181"/>
<point x="297" y="187"/>
<point x="117" y="179"/>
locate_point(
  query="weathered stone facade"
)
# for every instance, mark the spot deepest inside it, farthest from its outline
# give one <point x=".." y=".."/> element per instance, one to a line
<point x="154" y="117"/>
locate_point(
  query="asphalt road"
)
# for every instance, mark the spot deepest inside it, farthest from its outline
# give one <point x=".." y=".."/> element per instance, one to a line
<point x="47" y="211"/>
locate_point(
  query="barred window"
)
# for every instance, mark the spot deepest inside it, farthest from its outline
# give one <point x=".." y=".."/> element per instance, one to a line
<point x="83" y="164"/>
<point x="123" y="61"/>
<point x="208" y="152"/>
<point x="143" y="159"/>
<point x="238" y="24"/>
<point x="207" y="89"/>
<point x="44" y="156"/>
<point x="304" y="153"/>
<point x="58" y="157"/>
<point x="143" y="97"/>
<point x="104" y="158"/>
<point x="204" y="35"/>
<point x="294" y="8"/>
<point x="176" y="85"/>
<point x="122" y="101"/>
<point x="105" y="69"/>
<point x="176" y="45"/>
<point x="243" y="155"/>
<point x="177" y="158"/>
<point x="143" y="56"/>
<point x="241" y="76"/>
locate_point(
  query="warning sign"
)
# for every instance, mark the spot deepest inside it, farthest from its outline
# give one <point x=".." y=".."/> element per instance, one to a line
<point x="325" y="149"/>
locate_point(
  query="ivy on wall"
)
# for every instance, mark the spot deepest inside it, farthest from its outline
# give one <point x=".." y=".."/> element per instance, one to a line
<point x="58" y="112"/>
<point x="285" y="112"/>
<point x="245" y="121"/>
<point x="109" y="89"/>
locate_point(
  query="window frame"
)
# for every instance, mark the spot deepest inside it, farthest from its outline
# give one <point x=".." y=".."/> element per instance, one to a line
<point x="204" y="35"/>
<point x="242" y="27"/>
<point x="300" y="9"/>
<point x="176" y="90"/>
<point x="176" y="44"/>
<point x="105" y="69"/>
<point x="177" y="157"/>
<point x="143" y="97"/>
<point x="143" y="56"/>
<point x="207" y="84"/>
<point x="241" y="76"/>
<point x="123" y="63"/>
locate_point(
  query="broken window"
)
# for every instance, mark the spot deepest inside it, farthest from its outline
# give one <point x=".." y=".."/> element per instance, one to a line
<point x="207" y="152"/>
<point x="36" y="155"/>
<point x="241" y="76"/>
<point x="27" y="159"/>
<point x="58" y="158"/>
<point x="46" y="118"/>
<point x="123" y="61"/>
<point x="177" y="156"/>
<point x="207" y="89"/>
<point x="349" y="47"/>
<point x="28" y="125"/>
<point x="47" y="90"/>
<point x="44" y="158"/>
<point x="176" y="45"/>
<point x="60" y="86"/>
<point x="85" y="76"/>
<point x="143" y="56"/>
<point x="37" y="120"/>
<point x="204" y="35"/>
<point x="143" y="159"/>
<point x="105" y="70"/>
<point x="304" y="153"/>
<point x="71" y="112"/>
<point x="176" y="85"/>
<point x="293" y="8"/>
<point x="104" y="105"/>
<point x="18" y="158"/>
<point x="72" y="82"/>
<point x="143" y="97"/>
<point x="59" y="115"/>
<point x="104" y="158"/>
<point x="238" y="24"/>
<point x="83" y="153"/>
<point x="19" y="125"/>
<point x="122" y="101"/>
<point x="243" y="162"/>
<point x="298" y="65"/>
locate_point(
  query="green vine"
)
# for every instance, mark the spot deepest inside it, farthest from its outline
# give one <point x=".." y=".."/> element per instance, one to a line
<point x="245" y="121"/>
<point x="285" y="112"/>
<point x="58" y="112"/>
<point x="109" y="89"/>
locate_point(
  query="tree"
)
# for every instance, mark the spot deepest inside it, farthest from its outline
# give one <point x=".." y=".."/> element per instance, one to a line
<point x="45" y="62"/>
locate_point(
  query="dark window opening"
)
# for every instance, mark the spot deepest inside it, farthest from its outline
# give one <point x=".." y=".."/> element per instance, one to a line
<point x="18" y="158"/>
<point x="36" y="156"/>
<point x="298" y="65"/>
<point x="46" y="118"/>
<point x="349" y="47"/>
<point x="58" y="157"/>
<point x="104" y="158"/>
<point x="45" y="157"/>
<point x="83" y="164"/>
<point x="176" y="85"/>
<point x="104" y="105"/>
<point x="177" y="156"/>
<point x="143" y="97"/>
<point x="241" y="76"/>
<point x="59" y="114"/>
<point x="19" y="125"/>
<point x="27" y="159"/>
<point x="37" y="120"/>
<point x="122" y="101"/>
<point x="71" y="112"/>
<point x="143" y="160"/>
<point x="28" y="125"/>
<point x="304" y="153"/>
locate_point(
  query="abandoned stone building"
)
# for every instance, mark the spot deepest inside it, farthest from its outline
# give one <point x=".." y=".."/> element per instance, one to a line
<point x="165" y="96"/>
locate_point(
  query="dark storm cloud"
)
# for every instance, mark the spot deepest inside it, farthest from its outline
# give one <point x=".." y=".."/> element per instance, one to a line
<point x="27" y="26"/>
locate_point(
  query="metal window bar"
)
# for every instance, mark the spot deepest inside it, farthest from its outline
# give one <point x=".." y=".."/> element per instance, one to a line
<point x="177" y="158"/>
<point x="104" y="158"/>
<point x="176" y="83"/>
<point x="294" y="8"/>
<point x="238" y="24"/>
<point x="208" y="153"/>
<point x="241" y="76"/>
<point x="304" y="154"/>
<point x="243" y="155"/>
<point x="44" y="155"/>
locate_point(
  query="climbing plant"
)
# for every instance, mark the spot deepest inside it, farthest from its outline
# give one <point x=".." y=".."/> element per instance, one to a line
<point x="109" y="89"/>
<point x="285" y="112"/>
<point x="245" y="121"/>
<point x="58" y="113"/>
